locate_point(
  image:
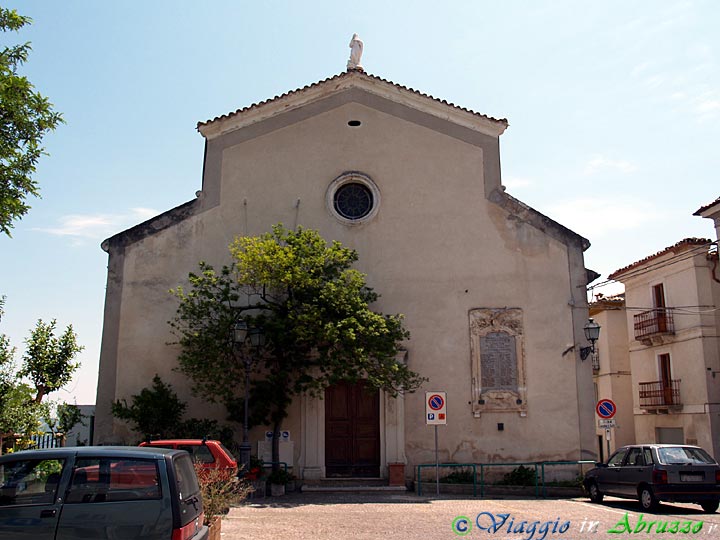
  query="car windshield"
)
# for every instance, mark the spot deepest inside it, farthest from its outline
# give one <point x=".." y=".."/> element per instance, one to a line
<point x="681" y="455"/>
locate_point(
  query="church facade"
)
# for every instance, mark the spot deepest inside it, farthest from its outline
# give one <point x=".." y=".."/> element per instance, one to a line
<point x="493" y="292"/>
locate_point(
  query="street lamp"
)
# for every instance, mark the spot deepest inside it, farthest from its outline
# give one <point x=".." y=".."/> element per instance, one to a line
<point x="241" y="333"/>
<point x="592" y="333"/>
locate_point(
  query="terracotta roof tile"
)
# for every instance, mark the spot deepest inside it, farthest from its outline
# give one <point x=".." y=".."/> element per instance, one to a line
<point x="342" y="76"/>
<point x="675" y="247"/>
<point x="703" y="208"/>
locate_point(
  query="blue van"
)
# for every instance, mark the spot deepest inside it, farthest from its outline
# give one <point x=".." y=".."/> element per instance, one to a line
<point x="100" y="492"/>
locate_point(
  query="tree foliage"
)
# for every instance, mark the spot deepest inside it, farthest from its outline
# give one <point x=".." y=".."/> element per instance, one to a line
<point x="18" y="413"/>
<point x="25" y="117"/>
<point x="47" y="363"/>
<point x="69" y="415"/>
<point x="154" y="412"/>
<point x="157" y="413"/>
<point x="314" y="310"/>
<point x="48" y="360"/>
<point x="7" y="353"/>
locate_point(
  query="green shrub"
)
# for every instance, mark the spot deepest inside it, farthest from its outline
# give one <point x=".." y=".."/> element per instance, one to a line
<point x="281" y="476"/>
<point x="462" y="476"/>
<point x="520" y="476"/>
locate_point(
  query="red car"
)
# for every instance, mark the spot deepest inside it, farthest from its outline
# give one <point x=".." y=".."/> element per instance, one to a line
<point x="209" y="453"/>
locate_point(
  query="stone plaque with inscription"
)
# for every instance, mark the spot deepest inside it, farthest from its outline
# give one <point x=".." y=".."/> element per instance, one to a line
<point x="498" y="360"/>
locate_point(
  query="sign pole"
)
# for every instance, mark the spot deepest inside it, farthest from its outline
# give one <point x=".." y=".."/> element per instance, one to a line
<point x="607" y="437"/>
<point x="606" y="409"/>
<point x="435" y="414"/>
<point x="437" y="464"/>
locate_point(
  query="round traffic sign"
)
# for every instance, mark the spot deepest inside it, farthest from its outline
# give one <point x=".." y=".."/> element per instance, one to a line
<point x="606" y="408"/>
<point x="436" y="402"/>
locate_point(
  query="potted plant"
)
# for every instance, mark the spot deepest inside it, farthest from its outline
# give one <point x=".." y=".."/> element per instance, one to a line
<point x="219" y="490"/>
<point x="255" y="476"/>
<point x="278" y="479"/>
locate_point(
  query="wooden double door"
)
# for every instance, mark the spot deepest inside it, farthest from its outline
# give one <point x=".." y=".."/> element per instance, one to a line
<point x="352" y="431"/>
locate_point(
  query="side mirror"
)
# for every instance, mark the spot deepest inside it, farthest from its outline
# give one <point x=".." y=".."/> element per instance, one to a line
<point x="601" y="465"/>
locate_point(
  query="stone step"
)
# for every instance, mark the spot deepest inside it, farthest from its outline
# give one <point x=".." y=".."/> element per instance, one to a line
<point x="350" y="489"/>
<point x="353" y="485"/>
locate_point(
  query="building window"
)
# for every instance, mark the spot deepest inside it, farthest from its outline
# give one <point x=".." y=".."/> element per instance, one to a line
<point x="353" y="201"/>
<point x="353" y="198"/>
<point x="665" y="378"/>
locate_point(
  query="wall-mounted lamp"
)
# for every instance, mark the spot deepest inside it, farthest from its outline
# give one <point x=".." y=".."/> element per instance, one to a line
<point x="592" y="333"/>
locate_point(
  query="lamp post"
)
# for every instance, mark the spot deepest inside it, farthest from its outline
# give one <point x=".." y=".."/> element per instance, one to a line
<point x="242" y="334"/>
<point x="592" y="333"/>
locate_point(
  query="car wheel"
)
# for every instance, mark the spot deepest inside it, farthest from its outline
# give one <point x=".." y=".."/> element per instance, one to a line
<point x="647" y="499"/>
<point x="710" y="507"/>
<point x="595" y="495"/>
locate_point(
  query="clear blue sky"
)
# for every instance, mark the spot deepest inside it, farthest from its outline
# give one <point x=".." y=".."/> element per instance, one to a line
<point x="614" y="111"/>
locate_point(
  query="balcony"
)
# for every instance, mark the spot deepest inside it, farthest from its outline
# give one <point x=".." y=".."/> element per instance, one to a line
<point x="660" y="394"/>
<point x="655" y="322"/>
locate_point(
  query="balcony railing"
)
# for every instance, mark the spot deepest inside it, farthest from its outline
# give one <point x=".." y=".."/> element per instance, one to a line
<point x="654" y="322"/>
<point x="659" y="394"/>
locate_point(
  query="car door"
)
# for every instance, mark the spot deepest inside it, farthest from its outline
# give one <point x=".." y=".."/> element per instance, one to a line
<point x="634" y="471"/>
<point x="116" y="497"/>
<point x="610" y="477"/>
<point x="31" y="497"/>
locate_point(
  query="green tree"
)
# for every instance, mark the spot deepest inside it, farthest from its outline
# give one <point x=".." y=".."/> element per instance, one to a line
<point x="314" y="310"/>
<point x="7" y="353"/>
<point x="25" y="117"/>
<point x="154" y="412"/>
<point x="67" y="416"/>
<point x="48" y="363"/>
<point x="20" y="413"/>
<point x="157" y="412"/>
<point x="48" y="360"/>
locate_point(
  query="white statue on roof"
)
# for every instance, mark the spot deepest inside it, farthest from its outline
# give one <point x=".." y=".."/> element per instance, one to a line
<point x="356" y="50"/>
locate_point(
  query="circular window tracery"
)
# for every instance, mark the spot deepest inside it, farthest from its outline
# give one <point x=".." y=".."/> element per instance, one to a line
<point x="353" y="198"/>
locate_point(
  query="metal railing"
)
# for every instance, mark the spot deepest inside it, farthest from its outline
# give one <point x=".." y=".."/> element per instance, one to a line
<point x="656" y="394"/>
<point x="451" y="465"/>
<point x="38" y="440"/>
<point x="539" y="468"/>
<point x="654" y="322"/>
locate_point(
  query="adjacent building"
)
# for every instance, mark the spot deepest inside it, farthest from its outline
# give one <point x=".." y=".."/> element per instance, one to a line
<point x="611" y="373"/>
<point x="672" y="300"/>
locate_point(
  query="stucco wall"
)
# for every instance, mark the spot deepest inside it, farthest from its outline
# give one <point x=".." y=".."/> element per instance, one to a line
<point x="437" y="249"/>
<point x="614" y="380"/>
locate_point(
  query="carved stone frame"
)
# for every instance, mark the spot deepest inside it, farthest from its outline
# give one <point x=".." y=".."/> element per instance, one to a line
<point x="484" y="321"/>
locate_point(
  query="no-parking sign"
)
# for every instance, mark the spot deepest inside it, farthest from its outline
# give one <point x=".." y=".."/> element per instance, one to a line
<point x="435" y="406"/>
<point x="606" y="409"/>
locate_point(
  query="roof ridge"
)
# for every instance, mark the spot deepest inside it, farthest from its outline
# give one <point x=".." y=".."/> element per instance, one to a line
<point x="706" y="207"/>
<point x="344" y="74"/>
<point x="691" y="241"/>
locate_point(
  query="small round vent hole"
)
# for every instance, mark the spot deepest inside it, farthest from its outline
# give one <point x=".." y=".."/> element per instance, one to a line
<point x="354" y="123"/>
